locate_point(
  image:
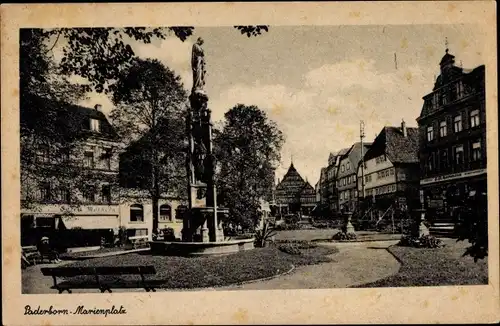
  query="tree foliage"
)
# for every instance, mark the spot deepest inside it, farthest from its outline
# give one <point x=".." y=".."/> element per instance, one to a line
<point x="248" y="151"/>
<point x="473" y="226"/>
<point x="100" y="54"/>
<point x="149" y="112"/>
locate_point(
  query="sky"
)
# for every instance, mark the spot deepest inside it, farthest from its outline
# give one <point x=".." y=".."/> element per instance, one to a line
<point x="318" y="82"/>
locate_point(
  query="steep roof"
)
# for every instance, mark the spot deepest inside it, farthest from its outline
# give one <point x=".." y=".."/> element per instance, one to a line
<point x="62" y="119"/>
<point x="291" y="176"/>
<point x="307" y="189"/>
<point x="398" y="148"/>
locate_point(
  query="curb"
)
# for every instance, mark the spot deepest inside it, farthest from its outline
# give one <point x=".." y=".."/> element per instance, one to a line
<point x="110" y="254"/>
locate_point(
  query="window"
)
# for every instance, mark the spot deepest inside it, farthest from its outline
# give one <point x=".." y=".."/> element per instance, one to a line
<point x="430" y="133"/>
<point x="474" y="118"/>
<point x="442" y="129"/>
<point x="342" y="168"/>
<point x="106" y="157"/>
<point x="347" y="195"/>
<point x="136" y="213"/>
<point x="349" y="180"/>
<point x="180" y="211"/>
<point x="42" y="154"/>
<point x="443" y="160"/>
<point x="391" y="171"/>
<point x="348" y="166"/>
<point x="95" y="125"/>
<point x="341" y="196"/>
<point x="459" y="155"/>
<point x="88" y="160"/>
<point x="64" y="195"/>
<point x="457" y="123"/>
<point x="106" y="194"/>
<point x="430" y="163"/>
<point x="45" y="191"/>
<point x="89" y="194"/>
<point x="476" y="150"/>
<point x="165" y="213"/>
<point x="344" y="181"/>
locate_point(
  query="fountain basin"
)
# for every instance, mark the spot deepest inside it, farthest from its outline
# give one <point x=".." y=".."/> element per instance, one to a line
<point x="200" y="248"/>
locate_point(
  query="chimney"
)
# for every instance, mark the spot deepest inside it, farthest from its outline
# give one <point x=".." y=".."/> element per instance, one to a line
<point x="98" y="107"/>
<point x="403" y="128"/>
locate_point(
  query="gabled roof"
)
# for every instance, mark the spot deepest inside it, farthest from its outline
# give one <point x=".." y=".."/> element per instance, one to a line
<point x="63" y="119"/>
<point x="307" y="189"/>
<point x="291" y="176"/>
<point x="399" y="149"/>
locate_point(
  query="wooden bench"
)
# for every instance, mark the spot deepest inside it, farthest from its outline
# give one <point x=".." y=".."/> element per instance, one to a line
<point x="139" y="241"/>
<point x="32" y="254"/>
<point x="97" y="282"/>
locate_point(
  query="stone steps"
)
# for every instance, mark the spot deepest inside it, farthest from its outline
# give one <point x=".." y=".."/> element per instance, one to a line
<point x="443" y="229"/>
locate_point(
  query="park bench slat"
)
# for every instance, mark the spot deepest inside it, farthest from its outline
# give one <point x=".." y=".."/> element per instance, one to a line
<point x="101" y="283"/>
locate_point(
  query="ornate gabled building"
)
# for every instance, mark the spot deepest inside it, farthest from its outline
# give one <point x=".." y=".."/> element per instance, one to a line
<point x="294" y="195"/>
<point x="452" y="128"/>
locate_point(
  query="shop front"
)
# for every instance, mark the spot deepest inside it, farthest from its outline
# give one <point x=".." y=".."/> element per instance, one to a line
<point x="446" y="195"/>
<point x="60" y="221"/>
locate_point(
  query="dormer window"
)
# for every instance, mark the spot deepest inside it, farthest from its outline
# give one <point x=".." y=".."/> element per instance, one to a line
<point x="95" y="125"/>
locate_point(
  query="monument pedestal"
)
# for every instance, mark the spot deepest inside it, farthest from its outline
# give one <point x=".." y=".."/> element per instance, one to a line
<point x="420" y="229"/>
<point x="348" y="226"/>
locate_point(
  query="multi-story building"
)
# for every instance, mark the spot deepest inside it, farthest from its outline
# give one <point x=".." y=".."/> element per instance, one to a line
<point x="391" y="170"/>
<point x="294" y="195"/>
<point x="347" y="177"/>
<point x="452" y="127"/>
<point x="69" y="168"/>
<point x="331" y="180"/>
<point x="323" y="186"/>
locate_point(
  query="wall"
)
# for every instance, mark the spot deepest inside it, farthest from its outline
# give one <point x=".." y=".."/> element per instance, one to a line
<point x="371" y="169"/>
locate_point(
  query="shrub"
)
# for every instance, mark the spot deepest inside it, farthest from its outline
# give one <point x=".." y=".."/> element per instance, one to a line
<point x="344" y="236"/>
<point x="300" y="244"/>
<point x="290" y="248"/>
<point x="168" y="234"/>
<point x="425" y="241"/>
<point x="263" y="235"/>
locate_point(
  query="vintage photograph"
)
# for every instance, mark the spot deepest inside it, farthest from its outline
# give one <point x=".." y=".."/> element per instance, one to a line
<point x="249" y="163"/>
<point x="254" y="157"/>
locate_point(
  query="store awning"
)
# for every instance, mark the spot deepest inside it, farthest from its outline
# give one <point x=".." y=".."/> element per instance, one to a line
<point x="91" y="221"/>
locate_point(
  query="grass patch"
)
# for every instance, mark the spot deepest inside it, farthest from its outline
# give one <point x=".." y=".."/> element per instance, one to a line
<point x="197" y="272"/>
<point x="434" y="267"/>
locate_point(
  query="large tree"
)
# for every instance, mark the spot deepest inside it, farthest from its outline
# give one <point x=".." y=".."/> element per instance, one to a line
<point x="150" y="106"/>
<point x="247" y="150"/>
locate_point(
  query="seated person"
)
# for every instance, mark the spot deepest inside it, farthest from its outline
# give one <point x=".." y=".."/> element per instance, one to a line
<point x="46" y="251"/>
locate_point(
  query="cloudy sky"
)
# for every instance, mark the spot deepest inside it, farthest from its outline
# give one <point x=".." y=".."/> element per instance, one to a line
<point x="318" y="82"/>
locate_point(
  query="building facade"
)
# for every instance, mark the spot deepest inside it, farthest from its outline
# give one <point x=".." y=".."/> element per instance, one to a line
<point x="332" y="170"/>
<point x="69" y="169"/>
<point x="72" y="178"/>
<point x="452" y="127"/>
<point x="391" y="171"/>
<point x="293" y="195"/>
<point x="347" y="177"/>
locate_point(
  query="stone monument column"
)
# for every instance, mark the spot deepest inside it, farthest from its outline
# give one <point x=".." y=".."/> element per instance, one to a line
<point x="200" y="223"/>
